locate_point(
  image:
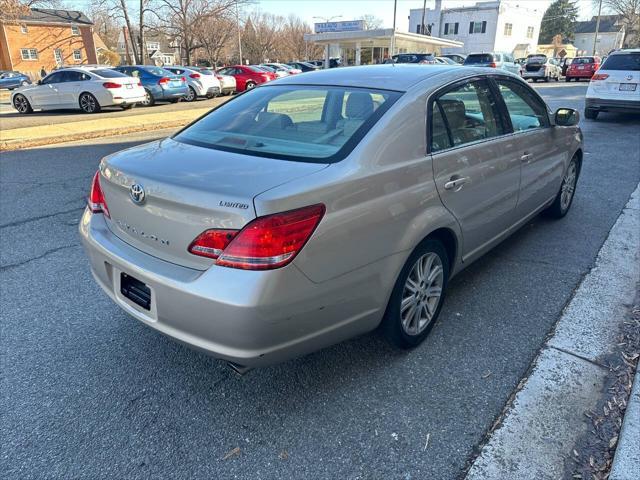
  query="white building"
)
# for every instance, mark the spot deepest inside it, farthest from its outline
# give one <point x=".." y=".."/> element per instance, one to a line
<point x="508" y="26"/>
<point x="610" y="35"/>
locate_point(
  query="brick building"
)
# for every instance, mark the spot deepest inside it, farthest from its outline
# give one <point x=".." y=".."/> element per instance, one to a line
<point x="45" y="39"/>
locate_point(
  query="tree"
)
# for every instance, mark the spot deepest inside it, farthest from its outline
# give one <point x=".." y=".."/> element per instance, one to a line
<point x="11" y="10"/>
<point x="261" y="37"/>
<point x="371" y="22"/>
<point x="629" y="13"/>
<point x="213" y="34"/>
<point x="559" y="19"/>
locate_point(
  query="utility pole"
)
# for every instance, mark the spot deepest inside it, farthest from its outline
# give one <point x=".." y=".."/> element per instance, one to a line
<point x="123" y="4"/>
<point x="424" y="9"/>
<point x="239" y="34"/>
<point x="143" y="53"/>
<point x="595" y="37"/>
<point x="393" y="34"/>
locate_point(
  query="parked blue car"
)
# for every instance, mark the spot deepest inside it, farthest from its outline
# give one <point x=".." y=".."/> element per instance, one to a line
<point x="160" y="84"/>
<point x="11" y="80"/>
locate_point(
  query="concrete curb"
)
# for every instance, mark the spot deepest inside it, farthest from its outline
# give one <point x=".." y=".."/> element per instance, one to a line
<point x="626" y="462"/>
<point x="538" y="429"/>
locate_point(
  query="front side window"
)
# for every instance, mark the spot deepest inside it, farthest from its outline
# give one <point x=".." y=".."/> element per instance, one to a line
<point x="304" y="123"/>
<point x="77" y="55"/>
<point x="525" y="110"/>
<point x="55" y="77"/>
<point x="29" y="53"/>
<point x="470" y="114"/>
<point x="508" y="28"/>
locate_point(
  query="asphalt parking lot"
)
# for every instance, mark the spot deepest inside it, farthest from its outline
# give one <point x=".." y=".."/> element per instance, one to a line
<point x="88" y="392"/>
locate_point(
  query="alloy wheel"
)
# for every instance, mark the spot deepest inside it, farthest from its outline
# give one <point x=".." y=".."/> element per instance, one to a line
<point x="421" y="294"/>
<point x="191" y="96"/>
<point x="21" y="104"/>
<point x="88" y="103"/>
<point x="147" y="99"/>
<point x="568" y="186"/>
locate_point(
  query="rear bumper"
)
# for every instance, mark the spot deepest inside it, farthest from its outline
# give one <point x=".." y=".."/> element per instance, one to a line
<point x="228" y="89"/>
<point x="537" y="74"/>
<point x="606" y="105"/>
<point x="170" y="94"/>
<point x="128" y="101"/>
<point x="579" y="74"/>
<point x="251" y="318"/>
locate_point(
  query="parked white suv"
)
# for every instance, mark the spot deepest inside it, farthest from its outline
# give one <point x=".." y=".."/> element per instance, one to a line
<point x="615" y="87"/>
<point x="200" y="85"/>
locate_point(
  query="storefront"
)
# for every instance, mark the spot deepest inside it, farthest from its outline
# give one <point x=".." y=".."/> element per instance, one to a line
<point x="365" y="47"/>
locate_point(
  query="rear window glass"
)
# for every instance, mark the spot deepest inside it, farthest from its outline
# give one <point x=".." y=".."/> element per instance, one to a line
<point x="582" y="60"/>
<point x="313" y="124"/>
<point x="106" y="73"/>
<point x="622" y="61"/>
<point x="479" y="58"/>
<point x="256" y="69"/>
<point x="204" y="71"/>
<point x="161" y="72"/>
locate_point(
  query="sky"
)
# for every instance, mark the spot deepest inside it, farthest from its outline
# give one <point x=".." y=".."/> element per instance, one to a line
<point x="383" y="9"/>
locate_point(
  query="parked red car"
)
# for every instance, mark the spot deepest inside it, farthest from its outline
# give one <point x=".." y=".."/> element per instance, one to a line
<point x="247" y="76"/>
<point x="582" y="67"/>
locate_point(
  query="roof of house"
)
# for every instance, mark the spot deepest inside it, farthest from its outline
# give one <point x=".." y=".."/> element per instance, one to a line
<point x="607" y="24"/>
<point x="48" y="15"/>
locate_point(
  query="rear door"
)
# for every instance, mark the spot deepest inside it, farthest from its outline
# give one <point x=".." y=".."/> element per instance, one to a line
<point x="73" y="83"/>
<point x="476" y="176"/>
<point x="532" y="144"/>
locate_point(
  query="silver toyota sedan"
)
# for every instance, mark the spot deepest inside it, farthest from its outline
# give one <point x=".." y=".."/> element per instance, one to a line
<point x="316" y="208"/>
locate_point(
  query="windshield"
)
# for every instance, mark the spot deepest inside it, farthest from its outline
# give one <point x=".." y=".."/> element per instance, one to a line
<point x="623" y="61"/>
<point x="479" y="58"/>
<point x="582" y="60"/>
<point x="106" y="73"/>
<point x="293" y="122"/>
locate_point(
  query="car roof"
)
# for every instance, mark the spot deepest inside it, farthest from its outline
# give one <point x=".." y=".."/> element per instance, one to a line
<point x="400" y="77"/>
<point x="626" y="50"/>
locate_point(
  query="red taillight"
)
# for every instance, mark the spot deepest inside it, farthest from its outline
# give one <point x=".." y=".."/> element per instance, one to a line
<point x="211" y="243"/>
<point x="265" y="243"/>
<point x="493" y="65"/>
<point x="139" y="83"/>
<point x="97" y="203"/>
<point x="163" y="80"/>
<point x="600" y="76"/>
<point x="194" y="75"/>
<point x="182" y="79"/>
<point x="111" y="85"/>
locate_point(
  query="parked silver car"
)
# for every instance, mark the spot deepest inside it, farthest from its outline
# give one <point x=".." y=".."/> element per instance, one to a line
<point x="315" y="208"/>
<point x="540" y="67"/>
<point x="200" y="84"/>
<point x="501" y="61"/>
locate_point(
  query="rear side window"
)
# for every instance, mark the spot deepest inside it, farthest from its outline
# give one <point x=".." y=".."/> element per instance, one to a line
<point x="304" y="123"/>
<point x="475" y="59"/>
<point x="582" y="60"/>
<point x="525" y="110"/>
<point x="106" y="73"/>
<point x="470" y="113"/>
<point x="622" y="61"/>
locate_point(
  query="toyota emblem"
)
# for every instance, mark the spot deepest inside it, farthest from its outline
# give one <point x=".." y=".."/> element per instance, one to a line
<point x="136" y="192"/>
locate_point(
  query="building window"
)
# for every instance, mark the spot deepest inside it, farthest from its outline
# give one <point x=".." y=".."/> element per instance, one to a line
<point x="57" y="55"/>
<point x="477" y="27"/>
<point x="153" y="46"/>
<point x="529" y="32"/>
<point x="24" y="28"/>
<point x="167" y="59"/>
<point x="29" y="53"/>
<point x="451" y="28"/>
<point x="508" y="28"/>
<point x="77" y="55"/>
<point x="75" y="30"/>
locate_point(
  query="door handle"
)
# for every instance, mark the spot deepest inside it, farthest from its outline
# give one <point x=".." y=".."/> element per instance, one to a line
<point x="456" y="183"/>
<point x="526" y="157"/>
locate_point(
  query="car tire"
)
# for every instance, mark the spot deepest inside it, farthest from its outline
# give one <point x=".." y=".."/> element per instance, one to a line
<point x="410" y="296"/>
<point x="149" y="101"/>
<point x="590" y="113"/>
<point x="127" y="107"/>
<point x="88" y="103"/>
<point x="546" y="79"/>
<point x="562" y="203"/>
<point x="567" y="79"/>
<point x="191" y="96"/>
<point x="21" y="104"/>
<point x="249" y="85"/>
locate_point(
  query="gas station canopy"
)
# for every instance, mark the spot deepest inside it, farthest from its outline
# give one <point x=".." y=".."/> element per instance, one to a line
<point x="375" y="45"/>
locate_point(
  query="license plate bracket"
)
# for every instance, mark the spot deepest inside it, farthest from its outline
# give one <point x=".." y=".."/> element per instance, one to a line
<point x="135" y="290"/>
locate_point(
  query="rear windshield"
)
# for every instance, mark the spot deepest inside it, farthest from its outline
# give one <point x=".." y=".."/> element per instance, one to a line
<point x="582" y="60"/>
<point x="478" y="58"/>
<point x="292" y="122"/>
<point x="256" y="69"/>
<point x="161" y="72"/>
<point x="106" y="73"/>
<point x="204" y="71"/>
<point x="622" y="61"/>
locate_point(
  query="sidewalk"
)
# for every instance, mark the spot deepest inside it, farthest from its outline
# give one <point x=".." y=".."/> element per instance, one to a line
<point x="535" y="436"/>
<point x="16" y="138"/>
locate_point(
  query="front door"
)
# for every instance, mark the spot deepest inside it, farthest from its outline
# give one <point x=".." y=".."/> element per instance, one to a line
<point x="533" y="144"/>
<point x="476" y="177"/>
<point x="46" y="94"/>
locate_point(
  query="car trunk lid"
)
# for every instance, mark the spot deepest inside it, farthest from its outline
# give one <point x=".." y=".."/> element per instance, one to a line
<point x="187" y="190"/>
